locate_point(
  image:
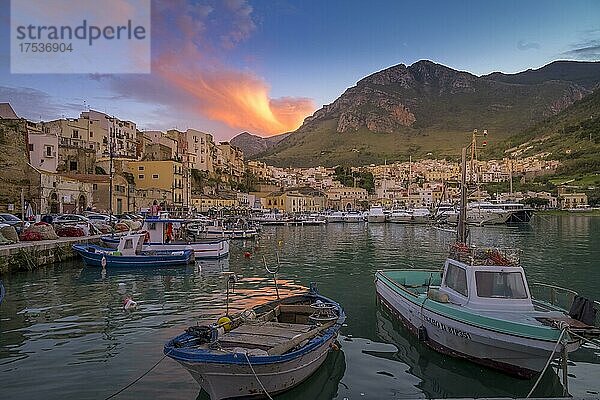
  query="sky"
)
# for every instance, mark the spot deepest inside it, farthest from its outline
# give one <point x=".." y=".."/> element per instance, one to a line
<point x="227" y="66"/>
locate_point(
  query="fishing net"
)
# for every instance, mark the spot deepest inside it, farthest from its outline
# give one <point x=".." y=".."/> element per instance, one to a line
<point x="9" y="233"/>
<point x="39" y="231"/>
<point x="70" y="231"/>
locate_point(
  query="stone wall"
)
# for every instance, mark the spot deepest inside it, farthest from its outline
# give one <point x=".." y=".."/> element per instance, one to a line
<point x="15" y="173"/>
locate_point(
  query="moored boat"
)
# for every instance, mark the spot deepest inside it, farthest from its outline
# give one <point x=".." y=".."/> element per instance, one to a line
<point x="354" y="217"/>
<point x="376" y="214"/>
<point x="480" y="307"/>
<point x="334" y="217"/>
<point x="129" y="253"/>
<point x="269" y="348"/>
<point x="166" y="235"/>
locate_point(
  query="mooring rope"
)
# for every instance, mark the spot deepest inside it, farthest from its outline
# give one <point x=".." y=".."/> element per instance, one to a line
<point x="257" y="379"/>
<point x="585" y="340"/>
<point x="124" y="388"/>
<point x="562" y="333"/>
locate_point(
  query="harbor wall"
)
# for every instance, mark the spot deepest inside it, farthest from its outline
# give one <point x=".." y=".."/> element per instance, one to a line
<point x="27" y="256"/>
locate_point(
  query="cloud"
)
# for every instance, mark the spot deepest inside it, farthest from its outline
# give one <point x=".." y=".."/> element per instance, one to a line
<point x="189" y="74"/>
<point x="523" y="45"/>
<point x="35" y="104"/>
<point x="588" y="50"/>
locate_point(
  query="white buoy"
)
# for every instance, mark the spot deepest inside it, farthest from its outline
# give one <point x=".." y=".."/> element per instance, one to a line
<point x="103" y="262"/>
<point x="129" y="304"/>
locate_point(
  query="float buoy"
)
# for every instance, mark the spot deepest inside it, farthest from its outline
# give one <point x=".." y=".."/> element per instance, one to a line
<point x="247" y="254"/>
<point x="129" y="304"/>
<point x="225" y="322"/>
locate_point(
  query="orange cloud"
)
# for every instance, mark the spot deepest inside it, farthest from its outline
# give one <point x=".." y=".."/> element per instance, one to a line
<point x="239" y="99"/>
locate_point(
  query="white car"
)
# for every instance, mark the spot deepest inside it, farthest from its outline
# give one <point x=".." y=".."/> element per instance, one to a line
<point x="70" y="219"/>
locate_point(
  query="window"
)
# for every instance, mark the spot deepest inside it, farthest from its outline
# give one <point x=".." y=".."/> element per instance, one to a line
<point x="456" y="279"/>
<point x="95" y="186"/>
<point x="141" y="168"/>
<point x="30" y="146"/>
<point x="507" y="285"/>
<point x="48" y="151"/>
<point x="155" y="176"/>
<point x="128" y="244"/>
<point x="75" y="134"/>
<point x="72" y="165"/>
<point x="141" y="176"/>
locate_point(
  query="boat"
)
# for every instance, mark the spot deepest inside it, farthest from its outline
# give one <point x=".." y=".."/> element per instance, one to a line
<point x="445" y="213"/>
<point x="267" y="349"/>
<point x="166" y="234"/>
<point x="308" y="220"/>
<point x="411" y="216"/>
<point x="271" y="219"/>
<point x="129" y="254"/>
<point x="484" y="213"/>
<point x="519" y="212"/>
<point x="335" y="217"/>
<point x="232" y="228"/>
<point x="480" y="307"/>
<point x="353" y="217"/>
<point x="376" y="214"/>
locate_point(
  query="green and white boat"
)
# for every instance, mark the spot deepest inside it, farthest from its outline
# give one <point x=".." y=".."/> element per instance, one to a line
<point x="479" y="306"/>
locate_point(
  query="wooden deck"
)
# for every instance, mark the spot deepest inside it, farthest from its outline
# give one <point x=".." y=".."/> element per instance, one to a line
<point x="262" y="336"/>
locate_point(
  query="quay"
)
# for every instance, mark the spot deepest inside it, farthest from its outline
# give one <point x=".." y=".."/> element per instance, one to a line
<point x="25" y="256"/>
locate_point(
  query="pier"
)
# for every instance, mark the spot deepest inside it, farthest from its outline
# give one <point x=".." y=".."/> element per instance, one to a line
<point x="31" y="255"/>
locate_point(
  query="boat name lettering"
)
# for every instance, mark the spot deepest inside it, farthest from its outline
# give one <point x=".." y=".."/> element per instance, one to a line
<point x="446" y="328"/>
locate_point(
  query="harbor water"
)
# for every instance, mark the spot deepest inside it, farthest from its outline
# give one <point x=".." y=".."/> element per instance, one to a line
<point x="64" y="333"/>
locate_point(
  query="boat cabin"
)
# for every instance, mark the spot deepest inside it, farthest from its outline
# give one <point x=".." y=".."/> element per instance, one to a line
<point x="486" y="281"/>
<point x="162" y="231"/>
<point x="130" y="245"/>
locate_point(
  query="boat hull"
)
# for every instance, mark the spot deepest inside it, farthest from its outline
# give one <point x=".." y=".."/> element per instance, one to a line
<point x="224" y="381"/>
<point x="216" y="248"/>
<point x="94" y="259"/>
<point x="512" y="354"/>
<point x="376" y="219"/>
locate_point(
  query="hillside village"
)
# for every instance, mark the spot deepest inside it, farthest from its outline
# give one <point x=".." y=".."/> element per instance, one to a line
<point x="65" y="166"/>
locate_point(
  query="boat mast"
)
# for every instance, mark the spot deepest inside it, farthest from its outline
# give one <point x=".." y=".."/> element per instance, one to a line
<point x="461" y="230"/>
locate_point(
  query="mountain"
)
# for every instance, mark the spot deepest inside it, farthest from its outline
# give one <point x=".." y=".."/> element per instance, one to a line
<point x="429" y="109"/>
<point x="252" y="144"/>
<point x="581" y="73"/>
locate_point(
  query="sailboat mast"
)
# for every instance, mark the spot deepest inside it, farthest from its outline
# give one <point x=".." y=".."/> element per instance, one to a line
<point x="461" y="230"/>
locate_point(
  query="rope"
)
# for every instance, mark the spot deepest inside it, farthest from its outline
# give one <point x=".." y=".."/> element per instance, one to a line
<point x="257" y="379"/>
<point x="136" y="380"/>
<point x="586" y="340"/>
<point x="547" y="362"/>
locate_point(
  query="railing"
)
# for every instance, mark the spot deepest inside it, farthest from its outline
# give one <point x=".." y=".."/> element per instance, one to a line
<point x="555" y="296"/>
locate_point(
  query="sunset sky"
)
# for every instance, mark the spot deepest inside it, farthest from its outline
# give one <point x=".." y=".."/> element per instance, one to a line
<point x="227" y="66"/>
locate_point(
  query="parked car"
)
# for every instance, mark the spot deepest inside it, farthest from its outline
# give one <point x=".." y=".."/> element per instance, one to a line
<point x="70" y="218"/>
<point x="12" y="220"/>
<point x="101" y="218"/>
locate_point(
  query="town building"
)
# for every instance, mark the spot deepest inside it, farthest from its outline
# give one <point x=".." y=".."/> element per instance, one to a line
<point x="165" y="175"/>
<point x="347" y="198"/>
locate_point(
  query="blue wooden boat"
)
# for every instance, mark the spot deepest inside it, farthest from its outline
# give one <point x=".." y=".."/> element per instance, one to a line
<point x="129" y="254"/>
<point x="268" y="348"/>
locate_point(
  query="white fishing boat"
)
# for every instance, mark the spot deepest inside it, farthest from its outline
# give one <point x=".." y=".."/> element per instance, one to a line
<point x="232" y="228"/>
<point x="262" y="351"/>
<point x="479" y="306"/>
<point x="376" y="214"/>
<point x="164" y="234"/>
<point x="484" y="213"/>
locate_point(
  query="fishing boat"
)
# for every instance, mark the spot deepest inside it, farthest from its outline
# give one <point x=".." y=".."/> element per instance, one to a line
<point x="376" y="214"/>
<point x="129" y="253"/>
<point x="264" y="350"/>
<point x="479" y="306"/>
<point x="232" y="228"/>
<point x="166" y="234"/>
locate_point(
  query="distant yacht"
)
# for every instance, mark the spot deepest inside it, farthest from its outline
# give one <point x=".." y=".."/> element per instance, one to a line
<point x="353" y="217"/>
<point x="336" y="216"/>
<point x="412" y="216"/>
<point x="376" y="214"/>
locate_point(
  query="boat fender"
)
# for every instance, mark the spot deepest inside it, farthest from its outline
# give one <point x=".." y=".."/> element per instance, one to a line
<point x="335" y="345"/>
<point x="436" y="295"/>
<point x="422" y="334"/>
<point x="225" y="322"/>
<point x="129" y="304"/>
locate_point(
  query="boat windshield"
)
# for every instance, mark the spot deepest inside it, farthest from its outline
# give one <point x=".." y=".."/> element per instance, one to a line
<point x="507" y="285"/>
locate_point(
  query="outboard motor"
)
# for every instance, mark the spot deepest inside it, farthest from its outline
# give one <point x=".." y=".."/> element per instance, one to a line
<point x="583" y="310"/>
